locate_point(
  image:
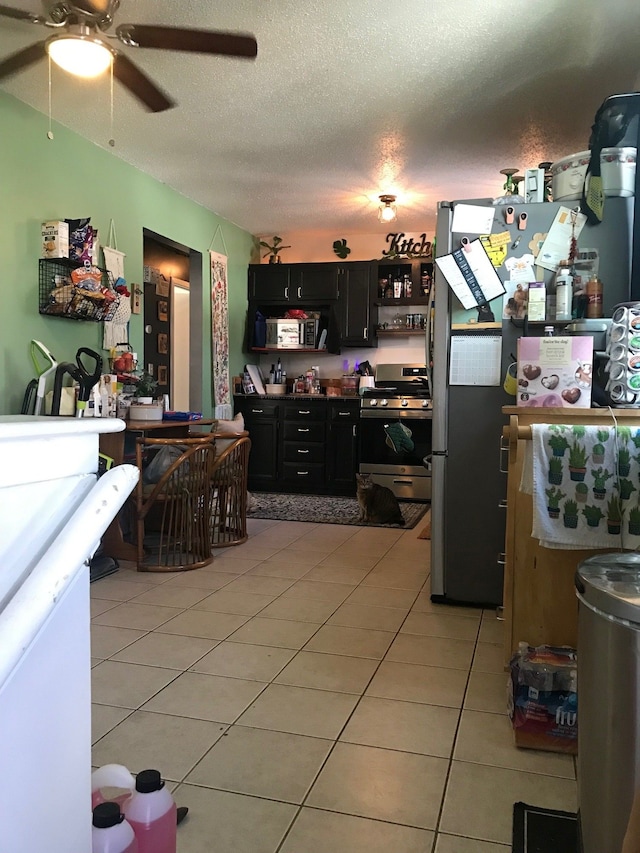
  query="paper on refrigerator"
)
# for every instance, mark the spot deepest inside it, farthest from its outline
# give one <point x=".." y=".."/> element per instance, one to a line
<point x="567" y="224"/>
<point x="471" y="275"/>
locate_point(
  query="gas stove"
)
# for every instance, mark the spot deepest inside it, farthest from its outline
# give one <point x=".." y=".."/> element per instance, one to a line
<point x="399" y="387"/>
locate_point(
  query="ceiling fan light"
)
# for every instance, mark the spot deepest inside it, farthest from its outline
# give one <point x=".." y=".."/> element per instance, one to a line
<point x="387" y="211"/>
<point x="80" y="55"/>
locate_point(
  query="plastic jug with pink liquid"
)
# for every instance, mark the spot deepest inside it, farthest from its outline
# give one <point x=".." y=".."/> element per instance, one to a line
<point x="110" y="832"/>
<point x="147" y="805"/>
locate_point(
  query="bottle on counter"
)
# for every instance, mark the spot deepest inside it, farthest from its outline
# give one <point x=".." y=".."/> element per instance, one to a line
<point x="278" y="373"/>
<point x="564" y="291"/>
<point x="272" y="375"/>
<point x="406" y="286"/>
<point x="595" y="308"/>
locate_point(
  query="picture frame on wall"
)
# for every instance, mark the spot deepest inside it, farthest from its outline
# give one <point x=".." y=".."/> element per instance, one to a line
<point x="163" y="344"/>
<point x="163" y="311"/>
<point x="162" y="374"/>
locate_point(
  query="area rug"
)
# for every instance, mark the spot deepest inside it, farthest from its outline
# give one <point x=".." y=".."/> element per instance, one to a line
<point x="324" y="509"/>
<point x="537" y="830"/>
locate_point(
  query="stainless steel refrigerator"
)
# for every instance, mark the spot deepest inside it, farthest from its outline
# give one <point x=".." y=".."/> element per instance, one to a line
<point x="468" y="502"/>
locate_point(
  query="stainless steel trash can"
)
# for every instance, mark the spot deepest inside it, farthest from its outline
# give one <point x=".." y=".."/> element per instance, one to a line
<point x="608" y="589"/>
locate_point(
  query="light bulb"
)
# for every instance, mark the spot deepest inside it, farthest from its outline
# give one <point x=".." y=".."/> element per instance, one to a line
<point x="79" y="55"/>
<point x="387" y="214"/>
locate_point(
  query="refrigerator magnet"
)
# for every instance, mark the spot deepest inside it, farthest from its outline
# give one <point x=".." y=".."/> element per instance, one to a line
<point x="508" y="215"/>
<point x="522" y="221"/>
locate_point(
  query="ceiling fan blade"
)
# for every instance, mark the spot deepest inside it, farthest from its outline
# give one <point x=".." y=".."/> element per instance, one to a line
<point x="197" y="41"/>
<point x="20" y="15"/>
<point x="144" y="89"/>
<point x="22" y="59"/>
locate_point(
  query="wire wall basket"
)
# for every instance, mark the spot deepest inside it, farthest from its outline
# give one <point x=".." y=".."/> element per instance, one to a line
<point x="59" y="297"/>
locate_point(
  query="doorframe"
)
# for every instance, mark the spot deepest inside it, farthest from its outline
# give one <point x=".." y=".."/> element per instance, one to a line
<point x="196" y="320"/>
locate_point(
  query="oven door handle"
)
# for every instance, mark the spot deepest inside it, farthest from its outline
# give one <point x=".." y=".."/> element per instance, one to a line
<point x="397" y="414"/>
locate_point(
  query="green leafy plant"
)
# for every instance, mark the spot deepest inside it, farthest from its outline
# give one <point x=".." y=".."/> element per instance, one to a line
<point x="603" y="435"/>
<point x="274" y="249"/>
<point x="570" y="508"/>
<point x="581" y="492"/>
<point x="593" y="514"/>
<point x="577" y="456"/>
<point x="614" y="509"/>
<point x="626" y="488"/>
<point x="634" y="520"/>
<point x="146" y="385"/>
<point x="341" y="249"/>
<point x="600" y="478"/>
<point x="555" y="470"/>
<point x="554" y="496"/>
<point x="624" y="465"/>
<point x="558" y="443"/>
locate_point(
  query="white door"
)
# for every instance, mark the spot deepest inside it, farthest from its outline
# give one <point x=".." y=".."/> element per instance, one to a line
<point x="180" y="297"/>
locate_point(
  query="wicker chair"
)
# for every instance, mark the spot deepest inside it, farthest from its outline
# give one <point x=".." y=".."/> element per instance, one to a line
<point x="229" y="494"/>
<point x="173" y="515"/>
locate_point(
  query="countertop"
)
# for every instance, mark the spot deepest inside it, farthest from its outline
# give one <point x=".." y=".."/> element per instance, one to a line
<point x="298" y="396"/>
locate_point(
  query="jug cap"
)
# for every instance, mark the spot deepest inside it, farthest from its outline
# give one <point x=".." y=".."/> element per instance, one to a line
<point x="106" y="815"/>
<point x="148" y="781"/>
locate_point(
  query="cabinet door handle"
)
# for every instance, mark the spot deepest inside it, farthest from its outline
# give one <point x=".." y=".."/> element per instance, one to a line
<point x="303" y="451"/>
<point x="502" y="504"/>
<point x="302" y="473"/>
<point x="343" y="414"/>
<point x="502" y="559"/>
<point x="302" y="430"/>
<point x="305" y="412"/>
<point x="300" y="293"/>
<point x="365" y="332"/>
<point x="286" y="291"/>
<point x="257" y="411"/>
<point x="353" y="430"/>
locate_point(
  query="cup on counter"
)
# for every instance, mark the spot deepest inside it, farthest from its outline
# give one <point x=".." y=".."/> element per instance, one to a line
<point x="365" y="382"/>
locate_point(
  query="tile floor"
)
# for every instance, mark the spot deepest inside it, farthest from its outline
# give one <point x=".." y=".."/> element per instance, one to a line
<point x="303" y="695"/>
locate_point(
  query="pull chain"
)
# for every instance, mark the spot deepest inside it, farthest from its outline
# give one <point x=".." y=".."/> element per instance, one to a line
<point x="50" y="131"/>
<point x="112" y="141"/>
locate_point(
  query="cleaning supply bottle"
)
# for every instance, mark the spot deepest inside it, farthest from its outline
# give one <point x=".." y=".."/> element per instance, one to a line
<point x="110" y="832"/>
<point x="111" y="776"/>
<point x="151" y="811"/>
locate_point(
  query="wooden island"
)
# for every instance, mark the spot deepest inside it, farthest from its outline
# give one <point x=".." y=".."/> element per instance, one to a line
<point x="540" y="605"/>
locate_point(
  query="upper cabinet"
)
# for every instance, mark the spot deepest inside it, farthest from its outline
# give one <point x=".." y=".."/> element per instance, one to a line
<point x="356" y="313"/>
<point x="289" y="284"/>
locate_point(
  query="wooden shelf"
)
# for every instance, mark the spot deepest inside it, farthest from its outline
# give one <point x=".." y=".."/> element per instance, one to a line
<point x="405" y="300"/>
<point x="399" y="333"/>
<point x="287" y="349"/>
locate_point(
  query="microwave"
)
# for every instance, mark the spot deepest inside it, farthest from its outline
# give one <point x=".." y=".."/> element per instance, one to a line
<point x="292" y="334"/>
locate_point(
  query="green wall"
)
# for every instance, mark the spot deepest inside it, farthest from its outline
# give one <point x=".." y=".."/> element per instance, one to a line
<point x="69" y="177"/>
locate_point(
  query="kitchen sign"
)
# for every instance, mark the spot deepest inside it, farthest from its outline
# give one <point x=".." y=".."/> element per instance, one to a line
<point x="400" y="244"/>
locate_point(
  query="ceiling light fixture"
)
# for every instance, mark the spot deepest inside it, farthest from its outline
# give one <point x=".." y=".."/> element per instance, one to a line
<point x="387" y="211"/>
<point x="81" y="54"/>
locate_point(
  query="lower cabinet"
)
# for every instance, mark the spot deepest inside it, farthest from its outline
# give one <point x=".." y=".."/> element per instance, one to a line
<point x="304" y="446"/>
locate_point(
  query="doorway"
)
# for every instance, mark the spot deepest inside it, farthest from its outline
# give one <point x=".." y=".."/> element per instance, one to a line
<point x="173" y="328"/>
<point x="179" y="353"/>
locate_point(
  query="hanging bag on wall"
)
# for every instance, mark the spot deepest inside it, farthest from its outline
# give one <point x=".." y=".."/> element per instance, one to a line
<point x="116" y="331"/>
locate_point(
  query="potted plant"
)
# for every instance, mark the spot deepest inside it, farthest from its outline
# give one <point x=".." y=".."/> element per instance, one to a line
<point x="577" y="462"/>
<point x="554" y="496"/>
<point x="272" y="254"/>
<point x="145" y="387"/>
<point x="626" y="487"/>
<point x="624" y="461"/>
<point x="579" y="431"/>
<point x="555" y="471"/>
<point x="558" y="443"/>
<point x="581" y="492"/>
<point x="614" y="515"/>
<point x="634" y="521"/>
<point x="600" y="478"/>
<point x="570" y="514"/>
<point x="597" y="454"/>
<point x="593" y="514"/>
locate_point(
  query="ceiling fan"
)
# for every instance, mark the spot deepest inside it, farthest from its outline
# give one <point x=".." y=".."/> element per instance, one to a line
<point x="83" y="25"/>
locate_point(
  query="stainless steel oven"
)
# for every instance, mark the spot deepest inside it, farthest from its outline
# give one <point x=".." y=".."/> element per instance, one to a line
<point x="395" y="431"/>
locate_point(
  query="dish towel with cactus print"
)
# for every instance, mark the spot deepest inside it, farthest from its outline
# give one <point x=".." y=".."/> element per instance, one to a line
<point x="586" y="482"/>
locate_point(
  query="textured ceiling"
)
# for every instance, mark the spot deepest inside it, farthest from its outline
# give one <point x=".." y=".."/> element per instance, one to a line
<point x="347" y="100"/>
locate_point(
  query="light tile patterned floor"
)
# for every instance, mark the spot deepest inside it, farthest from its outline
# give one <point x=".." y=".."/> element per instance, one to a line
<point x="303" y="695"/>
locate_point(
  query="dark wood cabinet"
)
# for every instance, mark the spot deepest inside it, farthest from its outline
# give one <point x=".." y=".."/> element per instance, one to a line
<point x="342" y="444"/>
<point x="293" y="284"/>
<point x="261" y="419"/>
<point x="301" y="445"/>
<point x="356" y="312"/>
